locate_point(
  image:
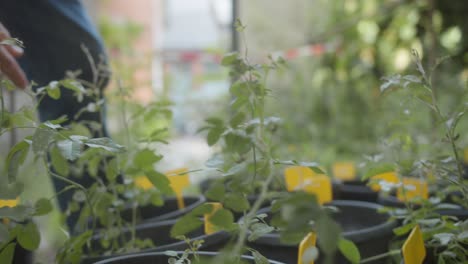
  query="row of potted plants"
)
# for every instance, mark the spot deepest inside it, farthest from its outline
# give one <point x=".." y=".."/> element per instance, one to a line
<point x="272" y="209"/>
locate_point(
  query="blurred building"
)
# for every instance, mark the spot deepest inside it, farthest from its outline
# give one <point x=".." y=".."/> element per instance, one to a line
<point x="185" y="39"/>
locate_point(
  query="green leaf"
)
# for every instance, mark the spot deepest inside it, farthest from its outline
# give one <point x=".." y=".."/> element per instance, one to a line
<point x="259" y="229"/>
<point x="145" y="159"/>
<point x="201" y="210"/>
<point x="70" y="149"/>
<point x="43" y="206"/>
<point x="349" y="250"/>
<point x="185" y="225"/>
<point x="59" y="163"/>
<point x="106" y="144"/>
<point x="112" y="170"/>
<point x="10" y="86"/>
<point x="160" y="181"/>
<point x="223" y="218"/>
<point x="259" y="258"/>
<point x="238" y="142"/>
<point x="4" y="233"/>
<point x="405" y="229"/>
<point x="216" y="192"/>
<point x="214" y="135"/>
<point x="41" y="139"/>
<point x="237" y="202"/>
<point x="390" y="81"/>
<point x="53" y="90"/>
<point x="29" y="236"/>
<point x="229" y="59"/>
<point x="463" y="236"/>
<point x="73" y="85"/>
<point x="378" y="169"/>
<point x="238" y="119"/>
<point x="15" y="158"/>
<point x="444" y="238"/>
<point x="7" y="253"/>
<point x="328" y="234"/>
<point x="216" y="161"/>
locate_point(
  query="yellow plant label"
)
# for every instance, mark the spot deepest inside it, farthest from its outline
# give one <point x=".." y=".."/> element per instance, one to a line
<point x="9" y="203"/>
<point x="465" y="155"/>
<point x="345" y="171"/>
<point x="413" y="249"/>
<point x="412" y="188"/>
<point x="308" y="242"/>
<point x="143" y="182"/>
<point x="209" y="227"/>
<point x="303" y="178"/>
<point x="179" y="181"/>
<point x="390" y="177"/>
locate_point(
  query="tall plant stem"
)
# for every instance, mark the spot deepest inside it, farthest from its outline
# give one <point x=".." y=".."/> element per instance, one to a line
<point x="250" y="215"/>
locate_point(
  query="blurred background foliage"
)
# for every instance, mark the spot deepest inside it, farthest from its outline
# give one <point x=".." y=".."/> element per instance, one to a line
<point x="331" y="105"/>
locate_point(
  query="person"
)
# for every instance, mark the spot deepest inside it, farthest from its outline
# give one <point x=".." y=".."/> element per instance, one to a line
<point x="54" y="33"/>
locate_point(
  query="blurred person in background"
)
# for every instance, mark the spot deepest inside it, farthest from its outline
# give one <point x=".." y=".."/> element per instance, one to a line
<point x="54" y="33"/>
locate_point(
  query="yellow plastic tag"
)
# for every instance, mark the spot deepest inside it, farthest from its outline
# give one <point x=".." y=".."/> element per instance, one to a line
<point x="412" y="188"/>
<point x="465" y="155"/>
<point x="303" y="178"/>
<point x="413" y="249"/>
<point x="143" y="182"/>
<point x="9" y="203"/>
<point x="296" y="175"/>
<point x="387" y="176"/>
<point x="308" y="242"/>
<point x="345" y="171"/>
<point x="179" y="183"/>
<point x="209" y="227"/>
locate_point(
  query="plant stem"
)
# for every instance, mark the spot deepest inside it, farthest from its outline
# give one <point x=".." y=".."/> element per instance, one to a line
<point x="251" y="214"/>
<point x="381" y="256"/>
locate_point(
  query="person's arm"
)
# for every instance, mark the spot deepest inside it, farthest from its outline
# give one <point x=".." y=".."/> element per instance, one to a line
<point x="8" y="64"/>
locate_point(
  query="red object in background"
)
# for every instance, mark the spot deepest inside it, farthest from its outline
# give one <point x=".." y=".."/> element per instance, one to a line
<point x="189" y="56"/>
<point x="291" y="54"/>
<point x="317" y="49"/>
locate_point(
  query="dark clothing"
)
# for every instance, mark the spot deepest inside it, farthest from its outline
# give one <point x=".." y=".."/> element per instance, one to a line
<point x="53" y="32"/>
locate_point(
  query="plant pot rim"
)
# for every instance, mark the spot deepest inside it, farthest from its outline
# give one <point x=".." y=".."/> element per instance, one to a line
<point x="354" y="235"/>
<point x="202" y="253"/>
<point x="200" y="200"/>
<point x="179" y="245"/>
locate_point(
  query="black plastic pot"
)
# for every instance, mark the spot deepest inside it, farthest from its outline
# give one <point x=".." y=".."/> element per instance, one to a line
<point x="356" y="190"/>
<point x="169" y="210"/>
<point x="22" y="256"/>
<point x="161" y="258"/>
<point x="159" y="233"/>
<point x="361" y="223"/>
<point x="392" y="201"/>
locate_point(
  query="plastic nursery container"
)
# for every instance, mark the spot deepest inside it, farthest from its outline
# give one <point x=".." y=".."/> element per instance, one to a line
<point x="392" y="201"/>
<point x="361" y="223"/>
<point x="22" y="256"/>
<point x="355" y="190"/>
<point x="161" y="258"/>
<point x="159" y="233"/>
<point x="169" y="210"/>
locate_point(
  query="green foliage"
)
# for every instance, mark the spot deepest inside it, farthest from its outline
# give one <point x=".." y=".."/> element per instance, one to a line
<point x="349" y="250"/>
<point x="29" y="237"/>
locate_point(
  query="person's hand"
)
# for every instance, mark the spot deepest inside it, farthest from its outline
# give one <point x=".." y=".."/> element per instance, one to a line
<point x="8" y="64"/>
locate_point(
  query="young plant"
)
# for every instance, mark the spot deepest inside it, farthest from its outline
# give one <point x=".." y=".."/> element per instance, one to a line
<point x="247" y="166"/>
<point x="445" y="236"/>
